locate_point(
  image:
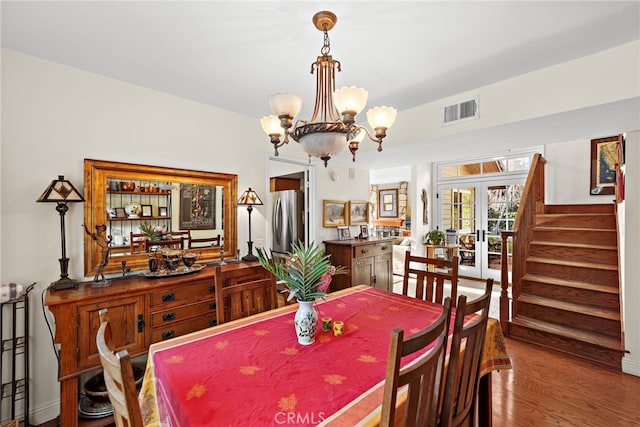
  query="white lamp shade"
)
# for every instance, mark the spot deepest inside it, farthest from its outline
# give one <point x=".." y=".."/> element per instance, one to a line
<point x="271" y="125"/>
<point x="285" y="104"/>
<point x="350" y="99"/>
<point x="381" y="117"/>
<point x="323" y="143"/>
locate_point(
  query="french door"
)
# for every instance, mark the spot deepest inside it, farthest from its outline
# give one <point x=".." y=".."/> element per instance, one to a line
<point x="478" y="210"/>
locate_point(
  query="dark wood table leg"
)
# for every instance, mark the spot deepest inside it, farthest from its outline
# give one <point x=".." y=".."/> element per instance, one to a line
<point x="484" y="401"/>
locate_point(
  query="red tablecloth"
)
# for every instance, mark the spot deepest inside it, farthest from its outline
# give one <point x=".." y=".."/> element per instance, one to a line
<point x="253" y="371"/>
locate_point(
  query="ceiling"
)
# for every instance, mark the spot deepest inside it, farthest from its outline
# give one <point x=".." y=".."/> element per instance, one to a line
<point x="234" y="54"/>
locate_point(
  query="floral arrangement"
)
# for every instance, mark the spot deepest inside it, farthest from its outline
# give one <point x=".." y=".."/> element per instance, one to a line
<point x="156" y="232"/>
<point x="306" y="272"/>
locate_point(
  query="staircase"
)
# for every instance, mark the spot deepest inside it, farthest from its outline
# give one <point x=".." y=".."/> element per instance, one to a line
<point x="565" y="290"/>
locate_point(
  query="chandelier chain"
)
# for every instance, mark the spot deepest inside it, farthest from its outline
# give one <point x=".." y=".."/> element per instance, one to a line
<point x="326" y="47"/>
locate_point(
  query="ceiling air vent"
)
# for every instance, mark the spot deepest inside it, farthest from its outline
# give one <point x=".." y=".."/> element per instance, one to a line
<point x="461" y="111"/>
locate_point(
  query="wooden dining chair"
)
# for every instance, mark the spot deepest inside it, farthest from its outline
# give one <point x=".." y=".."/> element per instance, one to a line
<point x="203" y="242"/>
<point x="465" y="357"/>
<point x="238" y="299"/>
<point x="158" y="245"/>
<point x="138" y="242"/>
<point x="430" y="275"/>
<point x="118" y="377"/>
<point x="423" y="376"/>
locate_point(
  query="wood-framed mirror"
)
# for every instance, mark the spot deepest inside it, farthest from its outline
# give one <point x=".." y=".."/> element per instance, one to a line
<point x="196" y="210"/>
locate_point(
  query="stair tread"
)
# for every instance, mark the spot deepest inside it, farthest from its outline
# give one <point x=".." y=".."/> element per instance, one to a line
<point x="594" y="338"/>
<point x="556" y="261"/>
<point x="570" y="283"/>
<point x="548" y="227"/>
<point x="590" y="310"/>
<point x="574" y="245"/>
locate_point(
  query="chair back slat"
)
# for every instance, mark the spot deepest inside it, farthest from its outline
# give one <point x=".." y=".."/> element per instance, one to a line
<point x="430" y="275"/>
<point x="423" y="376"/>
<point x="118" y="377"/>
<point x="463" y="372"/>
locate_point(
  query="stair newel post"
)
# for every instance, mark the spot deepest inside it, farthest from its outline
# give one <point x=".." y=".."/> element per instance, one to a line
<point x="504" y="282"/>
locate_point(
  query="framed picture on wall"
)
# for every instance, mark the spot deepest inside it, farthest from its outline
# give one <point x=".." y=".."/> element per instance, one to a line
<point x="388" y="203"/>
<point x="358" y="212"/>
<point x="162" y="211"/>
<point x="334" y="213"/>
<point x="197" y="207"/>
<point x="604" y="157"/>
<point x="147" y="210"/>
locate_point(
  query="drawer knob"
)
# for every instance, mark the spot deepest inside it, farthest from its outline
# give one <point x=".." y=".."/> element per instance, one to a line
<point x="213" y="322"/>
<point x="167" y="335"/>
<point x="364" y="251"/>
<point x="168" y="316"/>
<point x="168" y="297"/>
<point x="212" y="288"/>
<point x="385" y="247"/>
<point x="212" y="306"/>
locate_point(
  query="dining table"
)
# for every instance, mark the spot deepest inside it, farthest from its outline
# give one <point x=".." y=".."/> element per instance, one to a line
<point x="252" y="371"/>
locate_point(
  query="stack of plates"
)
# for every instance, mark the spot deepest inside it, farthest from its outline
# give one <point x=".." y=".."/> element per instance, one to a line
<point x="87" y="408"/>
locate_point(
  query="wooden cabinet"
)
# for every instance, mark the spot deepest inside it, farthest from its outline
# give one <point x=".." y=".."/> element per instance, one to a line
<point x="141" y="311"/>
<point x="369" y="262"/>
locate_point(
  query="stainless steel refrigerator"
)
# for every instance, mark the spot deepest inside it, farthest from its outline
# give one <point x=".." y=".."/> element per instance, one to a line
<point x="287" y="219"/>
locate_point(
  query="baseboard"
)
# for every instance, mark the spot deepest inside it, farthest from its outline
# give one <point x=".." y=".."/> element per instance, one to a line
<point x="630" y="366"/>
<point x="45" y="413"/>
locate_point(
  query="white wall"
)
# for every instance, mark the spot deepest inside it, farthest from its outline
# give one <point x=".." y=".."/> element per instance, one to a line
<point x="53" y="117"/>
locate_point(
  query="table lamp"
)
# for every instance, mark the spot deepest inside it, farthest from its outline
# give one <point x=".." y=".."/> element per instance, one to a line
<point x="249" y="198"/>
<point x="61" y="191"/>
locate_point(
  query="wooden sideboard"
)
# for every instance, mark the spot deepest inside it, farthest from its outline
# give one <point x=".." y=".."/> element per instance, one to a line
<point x="141" y="311"/>
<point x="368" y="261"/>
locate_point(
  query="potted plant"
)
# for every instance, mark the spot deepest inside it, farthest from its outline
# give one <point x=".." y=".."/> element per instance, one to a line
<point x="435" y="237"/>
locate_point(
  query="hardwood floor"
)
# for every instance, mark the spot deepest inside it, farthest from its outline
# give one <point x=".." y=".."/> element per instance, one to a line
<point x="549" y="388"/>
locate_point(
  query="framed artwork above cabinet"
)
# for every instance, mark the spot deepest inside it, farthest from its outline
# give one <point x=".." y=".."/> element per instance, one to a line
<point x="124" y="195"/>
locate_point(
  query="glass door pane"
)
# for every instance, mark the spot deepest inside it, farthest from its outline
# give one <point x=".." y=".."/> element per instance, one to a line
<point x="458" y="211"/>
<point x="502" y="205"/>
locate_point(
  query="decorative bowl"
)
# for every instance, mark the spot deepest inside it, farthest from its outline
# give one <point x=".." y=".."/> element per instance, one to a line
<point x="127" y="186"/>
<point x="189" y="259"/>
<point x="96" y="390"/>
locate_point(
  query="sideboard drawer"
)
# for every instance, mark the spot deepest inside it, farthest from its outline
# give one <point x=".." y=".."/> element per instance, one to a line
<point x="183" y="312"/>
<point x="182" y="294"/>
<point x="181" y="328"/>
<point x="373" y="249"/>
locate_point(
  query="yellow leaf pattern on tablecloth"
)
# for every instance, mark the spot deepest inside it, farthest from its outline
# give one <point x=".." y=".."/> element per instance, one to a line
<point x="249" y="370"/>
<point x="352" y="327"/>
<point x="367" y="358"/>
<point x="394" y="308"/>
<point x="374" y="317"/>
<point x="341" y="305"/>
<point x="288" y="403"/>
<point x="178" y="358"/>
<point x="289" y="351"/>
<point x="334" y="379"/>
<point x="261" y="332"/>
<point x="198" y="390"/>
<point x="220" y="345"/>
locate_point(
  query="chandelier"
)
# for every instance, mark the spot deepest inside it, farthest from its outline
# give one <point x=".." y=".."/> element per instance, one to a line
<point x="332" y="125"/>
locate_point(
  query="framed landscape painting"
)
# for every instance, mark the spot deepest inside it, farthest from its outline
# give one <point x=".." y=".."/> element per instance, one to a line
<point x="334" y="213"/>
<point x="604" y="157"/>
<point x="358" y="212"/>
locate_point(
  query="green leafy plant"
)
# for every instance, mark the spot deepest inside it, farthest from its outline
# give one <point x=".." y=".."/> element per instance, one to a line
<point x="306" y="271"/>
<point x="436" y="237"/>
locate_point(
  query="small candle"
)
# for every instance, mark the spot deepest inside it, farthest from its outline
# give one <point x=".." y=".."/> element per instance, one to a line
<point x="326" y="324"/>
<point x="338" y="328"/>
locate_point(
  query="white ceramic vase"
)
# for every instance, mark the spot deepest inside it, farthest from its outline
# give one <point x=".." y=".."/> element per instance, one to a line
<point x="306" y="322"/>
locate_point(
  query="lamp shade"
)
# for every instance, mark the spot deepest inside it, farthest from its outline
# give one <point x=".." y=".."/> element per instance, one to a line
<point x="249" y="198"/>
<point x="271" y="125"/>
<point x="285" y="104"/>
<point x="350" y="99"/>
<point x="60" y="190"/>
<point x="323" y="144"/>
<point x="381" y="117"/>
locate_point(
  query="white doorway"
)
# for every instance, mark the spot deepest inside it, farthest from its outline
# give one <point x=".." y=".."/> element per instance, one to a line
<point x="478" y="200"/>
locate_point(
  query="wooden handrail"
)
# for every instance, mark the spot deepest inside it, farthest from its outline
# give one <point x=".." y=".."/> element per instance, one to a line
<point x="532" y="202"/>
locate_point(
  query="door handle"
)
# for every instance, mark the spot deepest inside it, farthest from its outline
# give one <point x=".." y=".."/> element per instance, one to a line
<point x="483" y="234"/>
